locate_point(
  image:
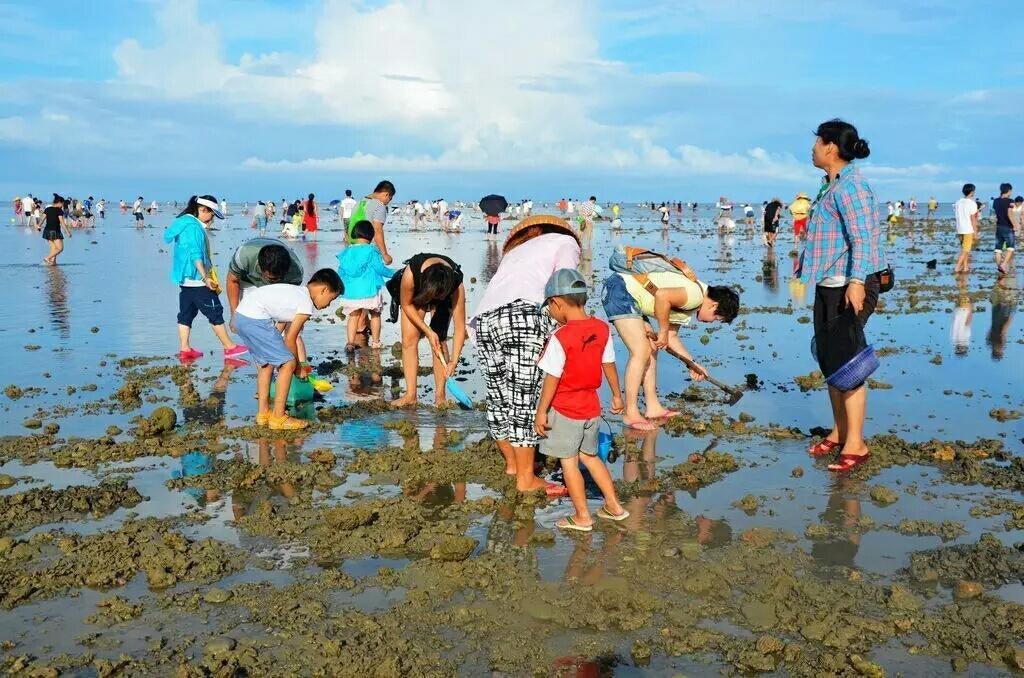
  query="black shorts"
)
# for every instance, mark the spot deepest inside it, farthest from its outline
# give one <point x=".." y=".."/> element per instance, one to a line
<point x="139" y="216"/>
<point x="838" y="331"/>
<point x="52" y="234"/>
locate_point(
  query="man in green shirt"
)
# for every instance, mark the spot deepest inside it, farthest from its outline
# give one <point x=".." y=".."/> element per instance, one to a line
<point x="259" y="262"/>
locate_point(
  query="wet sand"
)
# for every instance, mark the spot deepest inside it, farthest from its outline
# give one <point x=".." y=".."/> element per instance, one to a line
<point x="149" y="528"/>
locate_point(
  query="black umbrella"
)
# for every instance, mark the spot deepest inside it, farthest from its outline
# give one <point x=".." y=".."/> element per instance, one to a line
<point x="335" y="203"/>
<point x="493" y="205"/>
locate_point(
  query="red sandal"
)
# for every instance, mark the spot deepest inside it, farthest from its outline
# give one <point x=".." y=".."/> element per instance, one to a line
<point x="848" y="462"/>
<point x="820" y="449"/>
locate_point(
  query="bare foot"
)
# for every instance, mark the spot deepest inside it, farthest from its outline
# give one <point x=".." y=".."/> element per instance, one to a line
<point x="534" y="486"/>
<point x="857" y="451"/>
<point x="442" y="403"/>
<point x="510" y="470"/>
<point x="404" y="401"/>
<point x="640" y="424"/>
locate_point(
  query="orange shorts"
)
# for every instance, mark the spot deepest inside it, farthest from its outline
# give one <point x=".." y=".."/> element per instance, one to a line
<point x="966" y="242"/>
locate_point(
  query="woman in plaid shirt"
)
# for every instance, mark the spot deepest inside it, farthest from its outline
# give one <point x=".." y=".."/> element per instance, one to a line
<point x="841" y="258"/>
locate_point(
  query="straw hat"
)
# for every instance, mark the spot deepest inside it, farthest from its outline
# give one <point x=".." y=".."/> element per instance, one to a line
<point x="803" y="195"/>
<point x="548" y="223"/>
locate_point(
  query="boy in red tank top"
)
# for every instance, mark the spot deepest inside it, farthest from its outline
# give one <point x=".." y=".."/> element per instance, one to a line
<point x="569" y="411"/>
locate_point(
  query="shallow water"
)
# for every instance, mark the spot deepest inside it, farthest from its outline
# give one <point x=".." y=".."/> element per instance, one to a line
<point x="109" y="299"/>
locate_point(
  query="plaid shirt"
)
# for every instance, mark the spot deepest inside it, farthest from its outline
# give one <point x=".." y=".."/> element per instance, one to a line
<point x="844" y="233"/>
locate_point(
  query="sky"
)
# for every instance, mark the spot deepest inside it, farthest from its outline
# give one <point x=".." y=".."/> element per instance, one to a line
<point x="658" y="100"/>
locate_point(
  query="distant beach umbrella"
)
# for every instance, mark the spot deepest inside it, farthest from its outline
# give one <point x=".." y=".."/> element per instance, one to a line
<point x="493" y="204"/>
<point x="335" y="203"/>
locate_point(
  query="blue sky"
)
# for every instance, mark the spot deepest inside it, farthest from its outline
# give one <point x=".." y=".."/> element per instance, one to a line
<point x="683" y="99"/>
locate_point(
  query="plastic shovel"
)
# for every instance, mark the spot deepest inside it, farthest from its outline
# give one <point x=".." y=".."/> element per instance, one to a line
<point x="453" y="387"/>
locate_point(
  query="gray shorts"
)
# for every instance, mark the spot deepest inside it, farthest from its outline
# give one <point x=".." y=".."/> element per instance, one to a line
<point x="569" y="437"/>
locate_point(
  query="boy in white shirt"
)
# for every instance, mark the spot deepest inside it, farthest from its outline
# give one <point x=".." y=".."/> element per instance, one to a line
<point x="966" y="210"/>
<point x="262" y="315"/>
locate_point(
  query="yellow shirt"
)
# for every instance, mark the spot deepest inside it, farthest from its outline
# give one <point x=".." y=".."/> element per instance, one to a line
<point x="615" y="211"/>
<point x="800" y="208"/>
<point x="666" y="279"/>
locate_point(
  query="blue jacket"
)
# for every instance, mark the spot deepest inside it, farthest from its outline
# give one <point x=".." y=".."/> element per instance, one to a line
<point x="189" y="238"/>
<point x="362" y="269"/>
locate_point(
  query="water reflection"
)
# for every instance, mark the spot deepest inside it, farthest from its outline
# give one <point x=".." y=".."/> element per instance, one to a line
<point x="264" y="452"/>
<point x="842" y="515"/>
<point x="311" y="248"/>
<point x="1004" y="305"/>
<point x="195" y="464"/>
<point x="963" y="314"/>
<point x="57" y="296"/>
<point x="435" y="495"/>
<point x="770" y="270"/>
<point x="492" y="257"/>
<point x="208" y="411"/>
<point x="364" y="369"/>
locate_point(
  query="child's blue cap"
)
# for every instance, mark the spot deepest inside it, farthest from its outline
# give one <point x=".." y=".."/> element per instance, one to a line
<point x="563" y="282"/>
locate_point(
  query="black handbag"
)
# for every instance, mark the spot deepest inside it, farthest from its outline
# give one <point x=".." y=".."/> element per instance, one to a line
<point x="886" y="279"/>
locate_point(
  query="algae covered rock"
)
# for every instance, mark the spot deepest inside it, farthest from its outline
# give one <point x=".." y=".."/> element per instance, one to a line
<point x="880" y="494"/>
<point x="453" y="549"/>
<point x="161" y="420"/>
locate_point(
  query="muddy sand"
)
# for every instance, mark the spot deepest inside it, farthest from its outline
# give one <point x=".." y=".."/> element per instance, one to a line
<point x="148" y="528"/>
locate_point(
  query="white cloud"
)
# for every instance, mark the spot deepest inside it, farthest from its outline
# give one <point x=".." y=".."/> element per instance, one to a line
<point x="520" y="92"/>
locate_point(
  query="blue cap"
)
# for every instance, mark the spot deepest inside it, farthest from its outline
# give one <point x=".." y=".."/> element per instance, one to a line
<point x="564" y="281"/>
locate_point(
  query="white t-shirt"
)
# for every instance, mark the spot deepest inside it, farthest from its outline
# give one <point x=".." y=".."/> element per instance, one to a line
<point x="552" y="361"/>
<point x="442" y="206"/>
<point x="27" y="205"/>
<point x="280" y="302"/>
<point x="965" y="208"/>
<point x="137" y="206"/>
<point x="569" y="207"/>
<point x="418" y="208"/>
<point x="347" y="205"/>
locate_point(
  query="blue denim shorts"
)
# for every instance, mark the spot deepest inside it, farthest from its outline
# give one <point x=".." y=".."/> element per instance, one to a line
<point x="1005" y="237"/>
<point x="266" y="345"/>
<point x="618" y="302"/>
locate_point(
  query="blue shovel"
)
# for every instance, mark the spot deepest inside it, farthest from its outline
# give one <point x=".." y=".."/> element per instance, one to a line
<point x="453" y="387"/>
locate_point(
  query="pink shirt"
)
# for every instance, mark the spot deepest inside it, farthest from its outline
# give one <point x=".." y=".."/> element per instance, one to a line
<point x="523" y="272"/>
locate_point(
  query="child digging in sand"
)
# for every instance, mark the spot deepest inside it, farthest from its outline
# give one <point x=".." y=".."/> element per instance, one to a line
<point x="261" y="316"/>
<point x="569" y="411"/>
<point x="361" y="266"/>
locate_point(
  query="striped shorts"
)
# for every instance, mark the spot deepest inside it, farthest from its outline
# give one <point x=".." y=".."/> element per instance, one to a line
<point x="509" y="342"/>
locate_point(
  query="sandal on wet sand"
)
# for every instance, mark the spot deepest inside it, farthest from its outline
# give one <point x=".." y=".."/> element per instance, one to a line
<point x="668" y="415"/>
<point x="554" y="490"/>
<point x="568" y="523"/>
<point x="287" y="423"/>
<point x="820" y="449"/>
<point x="848" y="462"/>
<point x="603" y="512"/>
<point x="262" y="419"/>
<point x="640" y="425"/>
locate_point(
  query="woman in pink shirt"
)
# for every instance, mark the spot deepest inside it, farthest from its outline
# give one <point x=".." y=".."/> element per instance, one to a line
<point x="510" y="331"/>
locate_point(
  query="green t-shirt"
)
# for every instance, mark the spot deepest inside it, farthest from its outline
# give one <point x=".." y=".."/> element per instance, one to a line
<point x="245" y="263"/>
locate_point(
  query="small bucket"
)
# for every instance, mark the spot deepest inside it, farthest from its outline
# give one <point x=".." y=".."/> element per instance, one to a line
<point x="855" y="372"/>
<point x="606" y="448"/>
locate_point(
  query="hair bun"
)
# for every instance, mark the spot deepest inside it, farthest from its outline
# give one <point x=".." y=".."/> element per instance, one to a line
<point x="860" y="149"/>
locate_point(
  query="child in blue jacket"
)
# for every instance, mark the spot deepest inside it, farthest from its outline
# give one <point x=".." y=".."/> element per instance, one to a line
<point x="362" y="268"/>
<point x="192" y="271"/>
